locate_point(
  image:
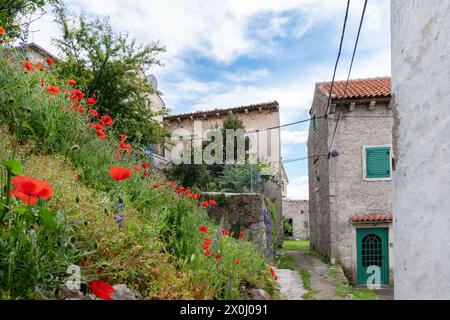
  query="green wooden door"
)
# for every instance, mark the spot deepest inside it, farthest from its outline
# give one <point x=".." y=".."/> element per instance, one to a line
<point x="372" y="251"/>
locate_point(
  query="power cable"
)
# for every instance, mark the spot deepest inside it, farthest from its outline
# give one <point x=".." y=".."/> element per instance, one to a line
<point x="348" y="75"/>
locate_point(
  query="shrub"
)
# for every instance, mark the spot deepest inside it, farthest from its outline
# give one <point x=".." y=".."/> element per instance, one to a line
<point x="154" y="249"/>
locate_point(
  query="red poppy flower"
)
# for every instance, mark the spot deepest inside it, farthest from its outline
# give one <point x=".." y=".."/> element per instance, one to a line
<point x="117" y="158"/>
<point x="203" y="229"/>
<point x="72" y="82"/>
<point x="212" y="202"/>
<point x="101" y="289"/>
<point x="93" y="112"/>
<point x="207" y="253"/>
<point x="123" y="137"/>
<point x="147" y="174"/>
<point x="2" y="31"/>
<point x="195" y="196"/>
<point x="27" y="65"/>
<point x="136" y="168"/>
<point x="144" y="165"/>
<point x="226" y="232"/>
<point x="120" y="173"/>
<point x="39" y="66"/>
<point x="42" y="83"/>
<point x="241" y="234"/>
<point x="106" y="120"/>
<point x="31" y="200"/>
<point x="204" y="204"/>
<point x="91" y="101"/>
<point x="101" y="134"/>
<point x="29" y="190"/>
<point x="218" y="257"/>
<point x="237" y="261"/>
<point x="172" y="185"/>
<point x="97" y="127"/>
<point x="49" y="61"/>
<point x="76" y="94"/>
<point x="206" y="244"/>
<point x="54" y="90"/>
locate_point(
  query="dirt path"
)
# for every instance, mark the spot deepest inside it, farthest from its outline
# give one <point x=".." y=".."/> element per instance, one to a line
<point x="320" y="274"/>
<point x="291" y="285"/>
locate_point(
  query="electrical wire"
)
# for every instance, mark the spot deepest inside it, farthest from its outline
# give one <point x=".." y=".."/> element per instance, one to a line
<point x="348" y="75"/>
<point x="338" y="57"/>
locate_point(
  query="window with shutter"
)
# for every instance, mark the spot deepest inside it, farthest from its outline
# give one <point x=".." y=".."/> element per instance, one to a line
<point x="378" y="162"/>
<point x="314" y="121"/>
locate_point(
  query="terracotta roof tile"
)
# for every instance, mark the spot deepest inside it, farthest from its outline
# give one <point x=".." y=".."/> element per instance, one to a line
<point x="372" y="218"/>
<point x="264" y="106"/>
<point x="358" y="88"/>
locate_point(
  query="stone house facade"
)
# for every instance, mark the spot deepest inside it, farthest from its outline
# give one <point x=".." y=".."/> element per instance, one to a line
<point x="350" y="184"/>
<point x="296" y="212"/>
<point x="261" y="123"/>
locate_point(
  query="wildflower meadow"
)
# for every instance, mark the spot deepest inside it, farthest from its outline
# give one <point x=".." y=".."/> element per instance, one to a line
<point x="76" y="192"/>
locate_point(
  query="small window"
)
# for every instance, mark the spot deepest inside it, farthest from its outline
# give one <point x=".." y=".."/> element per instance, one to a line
<point x="378" y="162"/>
<point x="314" y="121"/>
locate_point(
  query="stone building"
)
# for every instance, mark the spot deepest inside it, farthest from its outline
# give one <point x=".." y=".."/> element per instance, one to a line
<point x="350" y="184"/>
<point x="35" y="53"/>
<point x="296" y="214"/>
<point x="258" y="119"/>
<point x="421" y="90"/>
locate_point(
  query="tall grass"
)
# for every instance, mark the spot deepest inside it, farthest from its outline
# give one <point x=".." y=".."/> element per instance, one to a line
<point x="160" y="225"/>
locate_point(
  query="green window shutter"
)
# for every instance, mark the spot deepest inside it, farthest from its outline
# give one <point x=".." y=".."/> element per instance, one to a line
<point x="378" y="162"/>
<point x="314" y="121"/>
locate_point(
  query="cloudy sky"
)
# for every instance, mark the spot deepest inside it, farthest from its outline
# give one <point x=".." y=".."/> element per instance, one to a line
<point x="226" y="53"/>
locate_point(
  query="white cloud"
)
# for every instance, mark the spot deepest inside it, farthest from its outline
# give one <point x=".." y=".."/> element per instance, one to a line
<point x="298" y="188"/>
<point x="294" y="136"/>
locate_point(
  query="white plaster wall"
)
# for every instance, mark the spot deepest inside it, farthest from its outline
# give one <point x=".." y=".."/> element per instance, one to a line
<point x="421" y="85"/>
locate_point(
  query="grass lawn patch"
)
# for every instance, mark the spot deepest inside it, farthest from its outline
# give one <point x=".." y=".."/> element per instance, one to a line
<point x="306" y="279"/>
<point x="296" y="245"/>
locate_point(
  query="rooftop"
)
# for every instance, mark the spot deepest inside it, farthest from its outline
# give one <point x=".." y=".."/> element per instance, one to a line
<point x="266" y="106"/>
<point x="42" y="51"/>
<point x="372" y="219"/>
<point x="358" y="88"/>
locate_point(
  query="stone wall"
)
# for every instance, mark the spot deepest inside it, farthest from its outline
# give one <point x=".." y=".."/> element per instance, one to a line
<point x="421" y="87"/>
<point x="248" y="212"/>
<point x="337" y="188"/>
<point x="298" y="211"/>
<point x="318" y="174"/>
<point x="350" y="193"/>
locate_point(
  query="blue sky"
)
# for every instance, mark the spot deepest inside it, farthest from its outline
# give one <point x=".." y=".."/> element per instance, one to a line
<point x="226" y="53"/>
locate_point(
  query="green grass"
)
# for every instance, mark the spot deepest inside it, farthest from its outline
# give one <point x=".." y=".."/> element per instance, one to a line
<point x="306" y="279"/>
<point x="296" y="245"/>
<point x="343" y="289"/>
<point x="285" y="261"/>
<point x="157" y="253"/>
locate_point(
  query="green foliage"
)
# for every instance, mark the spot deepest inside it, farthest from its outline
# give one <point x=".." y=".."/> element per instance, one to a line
<point x="157" y="253"/>
<point x="190" y="175"/>
<point x="111" y="66"/>
<point x="221" y="177"/>
<point x="296" y="245"/>
<point x="287" y="227"/>
<point x="14" y="12"/>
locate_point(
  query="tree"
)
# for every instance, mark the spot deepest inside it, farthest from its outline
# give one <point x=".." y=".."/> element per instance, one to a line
<point x="111" y="67"/>
<point x="220" y="176"/>
<point x="16" y="14"/>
